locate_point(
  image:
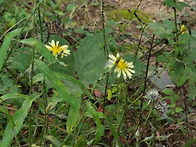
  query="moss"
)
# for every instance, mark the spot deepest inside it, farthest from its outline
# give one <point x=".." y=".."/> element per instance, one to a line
<point x="120" y="14"/>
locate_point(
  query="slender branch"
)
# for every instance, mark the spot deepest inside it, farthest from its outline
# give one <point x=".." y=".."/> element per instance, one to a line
<point x="175" y="21"/>
<point x="105" y="50"/>
<point x="146" y="76"/>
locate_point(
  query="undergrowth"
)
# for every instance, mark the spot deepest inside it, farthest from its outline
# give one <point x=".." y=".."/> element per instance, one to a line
<point x="66" y="80"/>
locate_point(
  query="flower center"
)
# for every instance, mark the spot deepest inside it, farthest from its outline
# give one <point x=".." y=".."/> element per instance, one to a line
<point x="122" y="64"/>
<point x="56" y="49"/>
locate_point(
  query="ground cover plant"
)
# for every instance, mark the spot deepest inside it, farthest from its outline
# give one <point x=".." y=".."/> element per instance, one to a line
<point x="91" y="73"/>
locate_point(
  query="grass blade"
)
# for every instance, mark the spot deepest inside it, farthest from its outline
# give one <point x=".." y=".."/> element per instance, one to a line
<point x="19" y="117"/>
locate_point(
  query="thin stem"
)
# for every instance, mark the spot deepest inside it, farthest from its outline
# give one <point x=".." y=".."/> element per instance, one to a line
<point x="40" y="24"/>
<point x="46" y="115"/>
<point x="12" y="28"/>
<point x="175" y="21"/>
<point x="146" y="88"/>
<point x="146" y="76"/>
<point x="124" y="113"/>
<point x="46" y="120"/>
<point x="103" y="29"/>
<point x="30" y="92"/>
<point x="105" y="51"/>
<point x="148" y="115"/>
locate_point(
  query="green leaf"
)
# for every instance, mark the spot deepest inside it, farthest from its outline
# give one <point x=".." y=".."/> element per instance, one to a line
<point x="18" y="117"/>
<point x="6" y="44"/>
<point x="54" y="140"/>
<point x="161" y="58"/>
<point x="114" y="132"/>
<point x="109" y="94"/>
<point x="4" y="110"/>
<point x="163" y="29"/>
<point x="62" y="90"/>
<point x="181" y="5"/>
<point x="99" y="127"/>
<point x="70" y="7"/>
<point x="168" y="91"/>
<point x="81" y="142"/>
<point x="22" y="60"/>
<point x="169" y="3"/>
<point x="90" y="62"/>
<point x="73" y="117"/>
<point x="178" y="109"/>
<point x="74" y="81"/>
<point x="190" y="142"/>
<point x="177" y="5"/>
<point x="177" y="72"/>
<point x="41" y="48"/>
<point x="12" y="96"/>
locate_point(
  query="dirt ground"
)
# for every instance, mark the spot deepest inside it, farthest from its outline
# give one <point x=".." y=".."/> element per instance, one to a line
<point x="157" y="10"/>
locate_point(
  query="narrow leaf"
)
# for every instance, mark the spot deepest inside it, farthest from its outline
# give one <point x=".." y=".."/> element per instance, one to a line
<point x="62" y="90"/>
<point x="6" y="44"/>
<point x="4" y="110"/>
<point x="19" y="117"/>
<point x="41" y="48"/>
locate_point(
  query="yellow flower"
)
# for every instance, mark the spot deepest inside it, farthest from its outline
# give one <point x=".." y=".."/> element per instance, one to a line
<point x="56" y="49"/>
<point x="121" y="66"/>
<point x="184" y="29"/>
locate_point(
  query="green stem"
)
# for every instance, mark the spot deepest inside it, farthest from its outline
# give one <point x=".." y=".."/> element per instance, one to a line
<point x="45" y="102"/>
<point x="30" y="92"/>
<point x="148" y="115"/>
<point x="105" y="52"/>
<point x="40" y="24"/>
<point x="148" y="86"/>
<point x="175" y="21"/>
